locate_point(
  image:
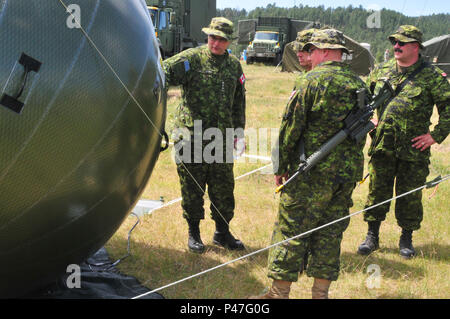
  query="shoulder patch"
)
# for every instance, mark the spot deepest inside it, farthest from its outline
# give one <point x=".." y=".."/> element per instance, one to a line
<point x="437" y="71"/>
<point x="242" y="79"/>
<point x="187" y="65"/>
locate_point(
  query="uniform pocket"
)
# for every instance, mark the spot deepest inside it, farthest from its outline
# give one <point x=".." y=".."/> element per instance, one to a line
<point x="413" y="121"/>
<point x="203" y="78"/>
<point x="412" y="92"/>
<point x="229" y="86"/>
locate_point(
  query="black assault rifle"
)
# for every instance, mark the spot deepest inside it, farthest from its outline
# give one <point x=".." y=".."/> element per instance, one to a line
<point x="357" y="124"/>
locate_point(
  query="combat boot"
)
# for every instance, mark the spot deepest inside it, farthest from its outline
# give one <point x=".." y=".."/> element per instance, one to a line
<point x="224" y="238"/>
<point x="195" y="243"/>
<point x="280" y="290"/>
<point x="406" y="248"/>
<point x="320" y="288"/>
<point x="371" y="243"/>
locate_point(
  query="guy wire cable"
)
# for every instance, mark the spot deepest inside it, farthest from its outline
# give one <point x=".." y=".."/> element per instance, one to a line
<point x="399" y="17"/>
<point x="111" y="264"/>
<point x="430" y="184"/>
<point x="176" y="200"/>
<point x="140" y="107"/>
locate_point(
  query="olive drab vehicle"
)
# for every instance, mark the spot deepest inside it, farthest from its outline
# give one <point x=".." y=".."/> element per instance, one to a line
<point x="178" y="23"/>
<point x="267" y="37"/>
<point x="437" y="52"/>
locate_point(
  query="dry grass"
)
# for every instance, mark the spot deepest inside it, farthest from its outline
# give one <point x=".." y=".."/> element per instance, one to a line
<point x="159" y="244"/>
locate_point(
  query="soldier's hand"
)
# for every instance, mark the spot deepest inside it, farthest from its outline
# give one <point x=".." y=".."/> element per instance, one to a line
<point x="279" y="179"/>
<point x="374" y="121"/>
<point x="239" y="146"/>
<point x="423" y="142"/>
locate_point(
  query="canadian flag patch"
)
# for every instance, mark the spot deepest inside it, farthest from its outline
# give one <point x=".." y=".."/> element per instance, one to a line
<point x="242" y="79"/>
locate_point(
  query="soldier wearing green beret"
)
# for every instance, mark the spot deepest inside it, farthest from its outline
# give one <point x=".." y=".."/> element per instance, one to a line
<point x="400" y="148"/>
<point x="213" y="94"/>
<point x="323" y="98"/>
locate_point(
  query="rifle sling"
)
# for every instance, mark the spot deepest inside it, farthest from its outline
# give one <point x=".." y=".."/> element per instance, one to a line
<point x="397" y="91"/>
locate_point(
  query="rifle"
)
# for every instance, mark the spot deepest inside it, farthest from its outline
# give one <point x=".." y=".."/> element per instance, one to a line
<point x="356" y="126"/>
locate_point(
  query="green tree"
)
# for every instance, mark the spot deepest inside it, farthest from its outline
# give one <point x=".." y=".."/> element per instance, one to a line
<point x="350" y="20"/>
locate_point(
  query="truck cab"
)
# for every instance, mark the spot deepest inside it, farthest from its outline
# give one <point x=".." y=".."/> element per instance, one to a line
<point x="266" y="46"/>
<point x="178" y="23"/>
<point x="269" y="36"/>
<point x="161" y="18"/>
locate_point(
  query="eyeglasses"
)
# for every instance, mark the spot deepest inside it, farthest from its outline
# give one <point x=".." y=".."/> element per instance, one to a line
<point x="400" y="43"/>
<point x="311" y="50"/>
<point x="216" y="38"/>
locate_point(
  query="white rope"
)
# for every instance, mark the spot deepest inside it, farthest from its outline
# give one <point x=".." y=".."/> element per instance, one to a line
<point x="427" y="185"/>
<point x="176" y="200"/>
<point x="254" y="171"/>
<point x="259" y="157"/>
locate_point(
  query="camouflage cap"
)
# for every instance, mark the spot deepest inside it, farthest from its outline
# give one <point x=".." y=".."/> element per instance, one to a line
<point x="303" y="37"/>
<point x="407" y="33"/>
<point x="327" y="39"/>
<point x="221" y="27"/>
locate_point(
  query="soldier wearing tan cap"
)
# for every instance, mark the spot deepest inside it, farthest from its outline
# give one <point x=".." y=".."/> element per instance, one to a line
<point x="322" y="99"/>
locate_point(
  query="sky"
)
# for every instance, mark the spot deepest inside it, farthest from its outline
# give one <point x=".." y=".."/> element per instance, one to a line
<point x="412" y="8"/>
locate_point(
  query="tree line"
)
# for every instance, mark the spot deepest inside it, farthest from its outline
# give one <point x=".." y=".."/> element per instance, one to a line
<point x="353" y="21"/>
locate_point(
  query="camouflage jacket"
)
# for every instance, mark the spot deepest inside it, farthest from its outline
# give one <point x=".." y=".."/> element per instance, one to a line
<point x="213" y="89"/>
<point x="408" y="114"/>
<point x="315" y="113"/>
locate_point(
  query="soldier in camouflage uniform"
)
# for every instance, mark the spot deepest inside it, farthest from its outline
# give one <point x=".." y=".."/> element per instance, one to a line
<point x="304" y="59"/>
<point x="400" y="146"/>
<point x="213" y="101"/>
<point x="324" y="97"/>
<point x="303" y="37"/>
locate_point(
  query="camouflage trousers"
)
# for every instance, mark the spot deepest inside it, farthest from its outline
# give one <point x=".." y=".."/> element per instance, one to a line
<point x="385" y="170"/>
<point x="194" y="177"/>
<point x="305" y="205"/>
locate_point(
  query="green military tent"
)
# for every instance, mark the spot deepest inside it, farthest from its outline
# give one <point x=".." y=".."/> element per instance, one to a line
<point x="360" y="59"/>
<point x="437" y="51"/>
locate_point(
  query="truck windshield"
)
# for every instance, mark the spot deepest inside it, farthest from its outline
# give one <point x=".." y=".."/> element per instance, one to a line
<point x="266" y="36"/>
<point x="153" y="15"/>
<point x="163" y="20"/>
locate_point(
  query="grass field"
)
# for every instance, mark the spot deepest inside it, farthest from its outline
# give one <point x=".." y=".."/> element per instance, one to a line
<point x="159" y="254"/>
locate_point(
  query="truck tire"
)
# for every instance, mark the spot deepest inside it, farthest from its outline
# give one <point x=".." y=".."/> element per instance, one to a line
<point x="249" y="60"/>
<point x="277" y="59"/>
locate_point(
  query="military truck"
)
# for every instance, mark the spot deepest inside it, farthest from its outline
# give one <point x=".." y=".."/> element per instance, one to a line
<point x="178" y="23"/>
<point x="267" y="37"/>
